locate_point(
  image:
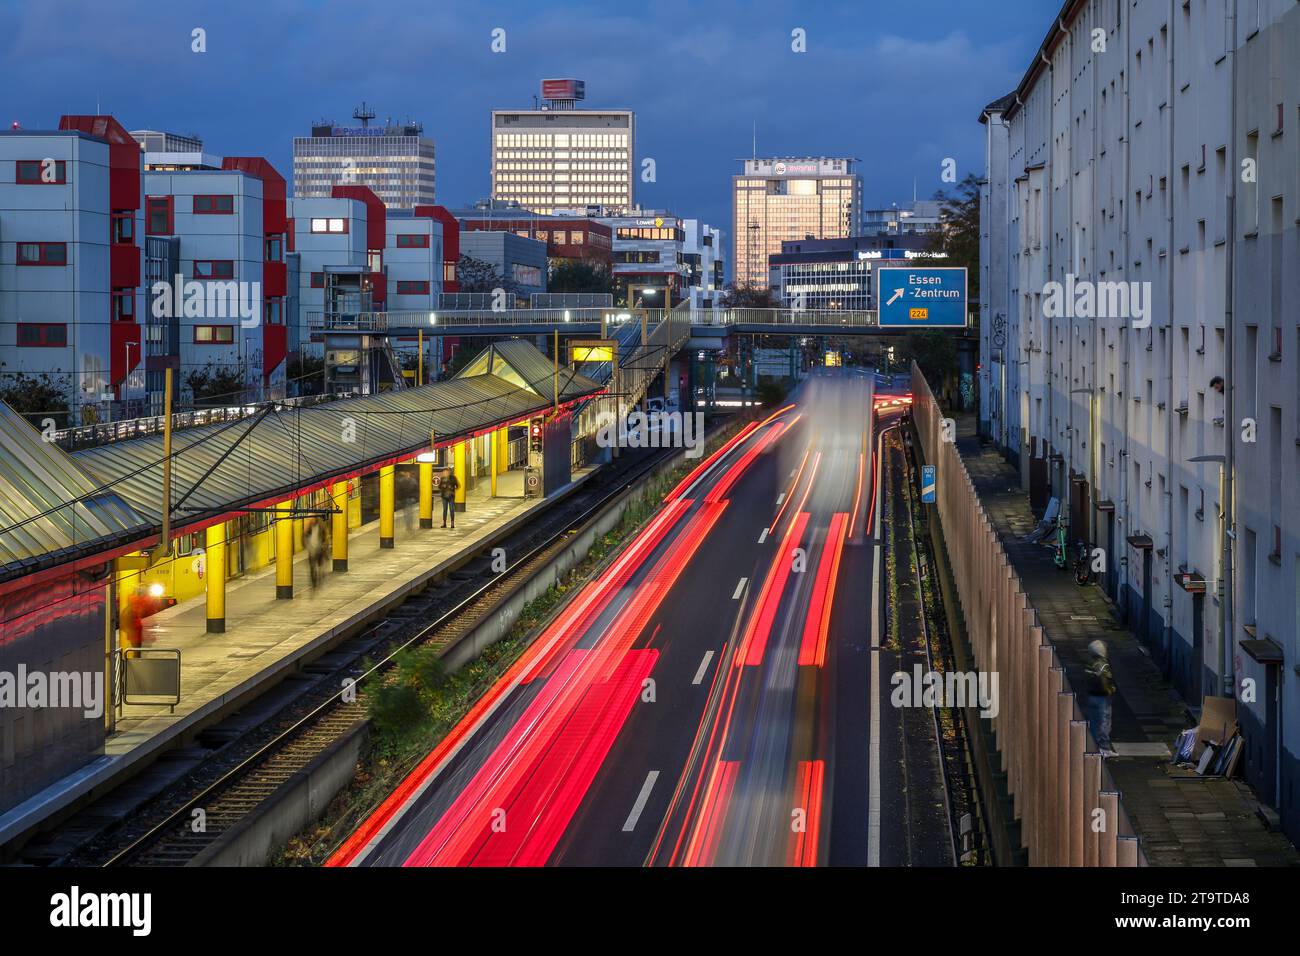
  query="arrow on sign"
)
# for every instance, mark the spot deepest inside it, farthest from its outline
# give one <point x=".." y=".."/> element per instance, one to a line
<point x="898" y="294"/>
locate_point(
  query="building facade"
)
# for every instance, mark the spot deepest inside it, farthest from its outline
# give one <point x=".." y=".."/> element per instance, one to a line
<point x="838" y="274"/>
<point x="395" y="161"/>
<point x="783" y="199"/>
<point x="560" y="156"/>
<point x="650" y="268"/>
<point x="566" y="237"/>
<point x="919" y="217"/>
<point x="519" y="260"/>
<point x="704" y="256"/>
<point x="1139" y="333"/>
<point x="71" y="265"/>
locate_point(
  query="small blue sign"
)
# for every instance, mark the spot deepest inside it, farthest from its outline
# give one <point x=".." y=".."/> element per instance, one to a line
<point x="927" y="484"/>
<point x="921" y="297"/>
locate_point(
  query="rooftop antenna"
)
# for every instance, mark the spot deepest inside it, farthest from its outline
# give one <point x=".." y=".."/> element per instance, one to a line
<point x="755" y="146"/>
<point x="363" y="113"/>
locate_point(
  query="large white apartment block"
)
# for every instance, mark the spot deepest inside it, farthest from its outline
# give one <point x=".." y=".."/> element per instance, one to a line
<point x="1110" y="172"/>
<point x="218" y="215"/>
<point x="70" y="264"/>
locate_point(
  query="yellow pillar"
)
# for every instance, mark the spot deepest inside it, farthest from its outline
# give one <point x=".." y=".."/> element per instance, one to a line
<point x="339" y="525"/>
<point x="386" y="498"/>
<point x="426" y="494"/>
<point x="284" y="550"/>
<point x="493" y="446"/>
<point x="462" y="474"/>
<point x="503" y="449"/>
<point x="214" y="561"/>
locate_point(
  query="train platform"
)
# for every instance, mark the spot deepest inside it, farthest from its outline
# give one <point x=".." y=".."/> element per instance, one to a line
<point x="267" y="637"/>
<point x="1181" y="818"/>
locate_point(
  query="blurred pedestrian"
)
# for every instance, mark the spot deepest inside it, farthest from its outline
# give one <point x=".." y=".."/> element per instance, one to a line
<point x="314" y="539"/>
<point x="1101" y="688"/>
<point x="407" y="493"/>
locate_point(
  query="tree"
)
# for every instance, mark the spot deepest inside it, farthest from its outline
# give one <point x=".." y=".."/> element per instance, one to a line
<point x="936" y="354"/>
<point x="306" y="374"/>
<point x="216" y="385"/>
<point x="960" y="235"/>
<point x="745" y="296"/>
<point x="37" y="397"/>
<point x="579" y="275"/>
<point x="475" y="275"/>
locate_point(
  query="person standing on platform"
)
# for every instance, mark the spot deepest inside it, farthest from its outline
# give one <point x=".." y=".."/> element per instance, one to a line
<point x="448" y="487"/>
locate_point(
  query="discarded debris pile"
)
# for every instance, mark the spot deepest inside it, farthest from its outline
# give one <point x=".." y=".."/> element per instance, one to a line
<point x="1213" y="747"/>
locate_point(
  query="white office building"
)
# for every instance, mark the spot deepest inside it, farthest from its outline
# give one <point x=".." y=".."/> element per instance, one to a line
<point x="394" y="160"/>
<point x="560" y="157"/>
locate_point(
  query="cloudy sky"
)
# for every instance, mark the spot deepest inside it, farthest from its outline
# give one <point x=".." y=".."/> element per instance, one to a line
<point x="898" y="84"/>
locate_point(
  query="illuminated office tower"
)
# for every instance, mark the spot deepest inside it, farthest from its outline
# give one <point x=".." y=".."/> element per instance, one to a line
<point x="782" y="200"/>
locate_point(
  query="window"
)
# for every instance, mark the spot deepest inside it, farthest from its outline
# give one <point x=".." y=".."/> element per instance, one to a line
<point x="214" y="334"/>
<point x="273" y="312"/>
<point x="40" y="172"/>
<point x="124" y="227"/>
<point x="214" y="269"/>
<point x="124" y="305"/>
<point x="275" y="250"/>
<point x="318" y="280"/>
<point x="412" y="287"/>
<point x="214" y="205"/>
<point x="158" y="215"/>
<point x="411" y="240"/>
<point x="42" y="253"/>
<point x="42" y="335"/>
<point x="329" y="225"/>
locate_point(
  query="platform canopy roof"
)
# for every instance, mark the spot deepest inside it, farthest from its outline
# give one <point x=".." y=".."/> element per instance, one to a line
<point x="112" y="494"/>
<point x="51" y="510"/>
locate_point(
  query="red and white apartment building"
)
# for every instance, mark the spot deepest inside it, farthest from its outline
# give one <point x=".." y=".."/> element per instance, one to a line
<point x="125" y="254"/>
<point x="70" y="261"/>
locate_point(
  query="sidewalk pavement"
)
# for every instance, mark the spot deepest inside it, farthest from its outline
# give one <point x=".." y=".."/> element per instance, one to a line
<point x="266" y="638"/>
<point x="1182" y="819"/>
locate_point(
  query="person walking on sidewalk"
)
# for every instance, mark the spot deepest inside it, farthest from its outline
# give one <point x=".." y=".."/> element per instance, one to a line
<point x="448" y="487"/>
<point x="1101" y="688"/>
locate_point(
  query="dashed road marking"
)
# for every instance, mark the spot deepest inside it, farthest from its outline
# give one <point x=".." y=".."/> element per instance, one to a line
<point x="641" y="799"/>
<point x="739" y="587"/>
<point x="704" y="667"/>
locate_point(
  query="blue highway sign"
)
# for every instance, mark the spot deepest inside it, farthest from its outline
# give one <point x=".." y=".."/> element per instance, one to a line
<point x="921" y="297"/>
<point x="927" y="484"/>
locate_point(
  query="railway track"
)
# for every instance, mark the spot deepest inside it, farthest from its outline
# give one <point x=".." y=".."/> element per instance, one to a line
<point x="252" y="761"/>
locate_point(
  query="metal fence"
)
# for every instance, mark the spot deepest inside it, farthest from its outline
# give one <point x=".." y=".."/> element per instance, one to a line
<point x="1061" y="791"/>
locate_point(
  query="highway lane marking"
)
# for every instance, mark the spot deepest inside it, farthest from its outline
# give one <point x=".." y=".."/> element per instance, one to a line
<point x="780" y="498"/>
<point x="641" y="799"/>
<point x="873" y="799"/>
<point x="763" y="537"/>
<point x="739" y="587"/>
<point x="704" y="667"/>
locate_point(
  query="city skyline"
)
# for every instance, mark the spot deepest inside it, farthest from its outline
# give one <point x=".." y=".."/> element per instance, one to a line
<point x="851" y="55"/>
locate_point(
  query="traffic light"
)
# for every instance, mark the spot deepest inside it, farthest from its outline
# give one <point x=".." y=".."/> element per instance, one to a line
<point x="535" y="434"/>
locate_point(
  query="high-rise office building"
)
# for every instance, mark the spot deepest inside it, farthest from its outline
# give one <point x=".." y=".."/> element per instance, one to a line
<point x="394" y="160"/>
<point x="781" y="200"/>
<point x="559" y="156"/>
